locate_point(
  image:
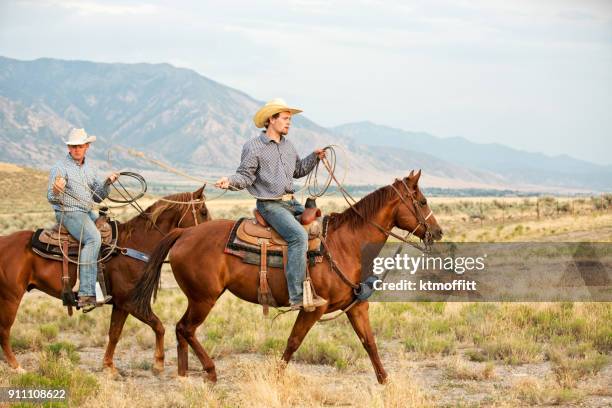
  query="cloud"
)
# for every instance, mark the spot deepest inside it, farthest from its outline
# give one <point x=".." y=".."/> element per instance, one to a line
<point x="532" y="74"/>
<point x="93" y="8"/>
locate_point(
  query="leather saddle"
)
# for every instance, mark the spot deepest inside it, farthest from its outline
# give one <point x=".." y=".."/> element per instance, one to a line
<point x="254" y="230"/>
<point x="256" y="242"/>
<point x="58" y="234"/>
<point x="46" y="242"/>
<point x="53" y="243"/>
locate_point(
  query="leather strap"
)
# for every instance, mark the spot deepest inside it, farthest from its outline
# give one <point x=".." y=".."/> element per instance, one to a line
<point x="66" y="293"/>
<point x="264" y="289"/>
<point x="335" y="268"/>
<point x="133" y="253"/>
<point x="101" y="279"/>
<point x="285" y="257"/>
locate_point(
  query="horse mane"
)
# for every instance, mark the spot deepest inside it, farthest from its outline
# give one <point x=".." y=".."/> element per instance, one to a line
<point x="155" y="210"/>
<point x="368" y="206"/>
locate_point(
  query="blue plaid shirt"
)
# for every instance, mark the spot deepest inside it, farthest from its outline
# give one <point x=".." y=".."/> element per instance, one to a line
<point x="82" y="183"/>
<point x="267" y="168"/>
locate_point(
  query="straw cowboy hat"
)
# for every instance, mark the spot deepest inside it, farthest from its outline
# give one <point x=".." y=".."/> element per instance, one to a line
<point x="272" y="108"/>
<point x="79" y="137"/>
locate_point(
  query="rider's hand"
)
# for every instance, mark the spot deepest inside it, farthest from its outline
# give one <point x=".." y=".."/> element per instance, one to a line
<point x="320" y="153"/>
<point x="58" y="185"/>
<point x="223" y="183"/>
<point x="112" y="178"/>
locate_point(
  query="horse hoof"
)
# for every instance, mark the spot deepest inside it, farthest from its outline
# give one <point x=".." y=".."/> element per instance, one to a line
<point x="20" y="370"/>
<point x="212" y="377"/>
<point x="158" y="368"/>
<point x="111" y="372"/>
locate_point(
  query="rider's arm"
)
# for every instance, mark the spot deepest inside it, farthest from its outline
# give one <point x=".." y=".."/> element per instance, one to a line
<point x="245" y="174"/>
<point x="56" y="171"/>
<point x="305" y="165"/>
<point x="99" y="186"/>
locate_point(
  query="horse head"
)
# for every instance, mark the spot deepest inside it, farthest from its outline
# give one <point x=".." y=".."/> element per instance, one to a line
<point x="181" y="210"/>
<point x="413" y="213"/>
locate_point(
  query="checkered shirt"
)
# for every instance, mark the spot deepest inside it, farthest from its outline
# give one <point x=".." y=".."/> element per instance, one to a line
<point x="82" y="183"/>
<point x="267" y="168"/>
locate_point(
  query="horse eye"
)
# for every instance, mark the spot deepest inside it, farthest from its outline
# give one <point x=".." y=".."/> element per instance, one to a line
<point x="424" y="201"/>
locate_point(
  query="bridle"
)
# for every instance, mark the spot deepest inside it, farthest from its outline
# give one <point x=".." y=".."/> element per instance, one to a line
<point x="416" y="211"/>
<point x="191" y="205"/>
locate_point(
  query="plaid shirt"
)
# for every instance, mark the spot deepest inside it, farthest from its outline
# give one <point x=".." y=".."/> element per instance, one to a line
<point x="82" y="183"/>
<point x="267" y="168"/>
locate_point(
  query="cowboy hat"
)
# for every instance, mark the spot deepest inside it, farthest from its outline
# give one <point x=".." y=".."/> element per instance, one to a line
<point x="272" y="108"/>
<point x="79" y="137"/>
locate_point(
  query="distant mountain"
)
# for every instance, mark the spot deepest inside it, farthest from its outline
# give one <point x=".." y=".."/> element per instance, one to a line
<point x="199" y="125"/>
<point x="517" y="166"/>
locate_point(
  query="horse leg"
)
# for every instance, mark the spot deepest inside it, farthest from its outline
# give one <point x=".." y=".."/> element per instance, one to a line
<point x="182" y="349"/>
<point x="302" y="325"/>
<point x="157" y="326"/>
<point x="118" y="317"/>
<point x="8" y="311"/>
<point x="185" y="333"/>
<point x="360" y="320"/>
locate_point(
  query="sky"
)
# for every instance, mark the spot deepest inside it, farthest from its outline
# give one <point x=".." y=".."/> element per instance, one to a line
<point x="535" y="75"/>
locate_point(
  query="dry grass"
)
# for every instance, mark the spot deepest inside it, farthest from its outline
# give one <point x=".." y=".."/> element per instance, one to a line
<point x="464" y="353"/>
<point x="459" y="369"/>
<point x="533" y="391"/>
<point x="331" y="364"/>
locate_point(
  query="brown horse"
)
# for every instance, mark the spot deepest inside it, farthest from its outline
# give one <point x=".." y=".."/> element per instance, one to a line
<point x="21" y="269"/>
<point x="204" y="272"/>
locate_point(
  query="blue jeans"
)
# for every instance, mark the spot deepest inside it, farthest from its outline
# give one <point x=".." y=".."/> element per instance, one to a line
<point x="75" y="222"/>
<point x="281" y="216"/>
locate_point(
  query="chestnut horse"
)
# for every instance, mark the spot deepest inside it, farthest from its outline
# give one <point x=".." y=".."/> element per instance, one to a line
<point x="21" y="269"/>
<point x="203" y="271"/>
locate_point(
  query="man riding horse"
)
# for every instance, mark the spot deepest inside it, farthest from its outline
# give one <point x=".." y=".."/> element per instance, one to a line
<point x="74" y="187"/>
<point x="269" y="162"/>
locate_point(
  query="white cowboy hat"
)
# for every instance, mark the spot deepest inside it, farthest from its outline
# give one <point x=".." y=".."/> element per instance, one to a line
<point x="272" y="108"/>
<point x="79" y="137"/>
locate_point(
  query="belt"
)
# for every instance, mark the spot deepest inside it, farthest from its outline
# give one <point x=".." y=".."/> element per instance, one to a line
<point x="284" y="197"/>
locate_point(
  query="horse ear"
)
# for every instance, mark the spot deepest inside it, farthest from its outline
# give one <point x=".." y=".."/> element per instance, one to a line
<point x="417" y="176"/>
<point x="411" y="174"/>
<point x="199" y="193"/>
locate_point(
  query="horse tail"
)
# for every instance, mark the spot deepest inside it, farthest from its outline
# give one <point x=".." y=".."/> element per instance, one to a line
<point x="149" y="282"/>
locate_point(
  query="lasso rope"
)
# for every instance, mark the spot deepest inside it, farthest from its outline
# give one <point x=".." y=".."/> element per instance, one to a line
<point x="143" y="156"/>
<point x="311" y="184"/>
<point x="129" y="200"/>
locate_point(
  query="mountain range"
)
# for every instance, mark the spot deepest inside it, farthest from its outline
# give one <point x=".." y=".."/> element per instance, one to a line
<point x="198" y="125"/>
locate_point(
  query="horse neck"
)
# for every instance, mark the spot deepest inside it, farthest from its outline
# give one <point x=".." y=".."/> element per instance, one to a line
<point x="352" y="239"/>
<point x="138" y="233"/>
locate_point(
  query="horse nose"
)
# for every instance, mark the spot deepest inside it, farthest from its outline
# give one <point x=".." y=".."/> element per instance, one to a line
<point x="437" y="233"/>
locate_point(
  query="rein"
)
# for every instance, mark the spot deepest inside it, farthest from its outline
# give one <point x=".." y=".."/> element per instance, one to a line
<point x="132" y="201"/>
<point x="128" y="199"/>
<point x="416" y="211"/>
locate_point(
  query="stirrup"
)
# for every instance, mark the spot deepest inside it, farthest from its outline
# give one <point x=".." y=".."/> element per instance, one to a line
<point x="88" y="308"/>
<point x="104" y="301"/>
